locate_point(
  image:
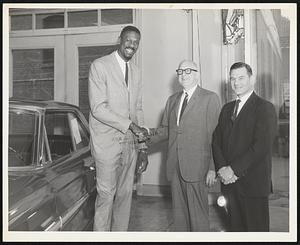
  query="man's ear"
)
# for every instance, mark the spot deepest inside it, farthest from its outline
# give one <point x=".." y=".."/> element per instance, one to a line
<point x="119" y="40"/>
<point x="253" y="79"/>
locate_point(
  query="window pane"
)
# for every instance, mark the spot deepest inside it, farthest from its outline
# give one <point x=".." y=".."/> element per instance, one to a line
<point x="86" y="56"/>
<point x="21" y="22"/>
<point x="83" y="18"/>
<point x="116" y="16"/>
<point x="47" y="21"/>
<point x="33" y="73"/>
<point x="22" y="137"/>
<point x="79" y="132"/>
<point x="58" y="133"/>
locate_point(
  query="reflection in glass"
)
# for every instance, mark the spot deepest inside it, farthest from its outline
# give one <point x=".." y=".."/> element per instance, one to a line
<point x="83" y="18"/>
<point x="23" y="125"/>
<point x="33" y="73"/>
<point x="86" y="56"/>
<point x="116" y="16"/>
<point x="58" y="134"/>
<point x="47" y="21"/>
<point x="21" y="22"/>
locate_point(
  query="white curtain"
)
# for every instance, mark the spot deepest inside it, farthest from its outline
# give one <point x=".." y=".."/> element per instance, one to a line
<point x="272" y="33"/>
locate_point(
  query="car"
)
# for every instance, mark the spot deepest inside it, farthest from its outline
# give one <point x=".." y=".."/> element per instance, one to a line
<point x="51" y="173"/>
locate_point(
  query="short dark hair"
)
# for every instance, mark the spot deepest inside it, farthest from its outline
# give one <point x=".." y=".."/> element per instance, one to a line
<point x="129" y="29"/>
<point x="238" y="65"/>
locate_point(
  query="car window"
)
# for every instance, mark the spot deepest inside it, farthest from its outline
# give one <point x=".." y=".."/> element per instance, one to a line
<point x="23" y="136"/>
<point x="59" y="134"/>
<point x="79" y="132"/>
<point x="65" y="132"/>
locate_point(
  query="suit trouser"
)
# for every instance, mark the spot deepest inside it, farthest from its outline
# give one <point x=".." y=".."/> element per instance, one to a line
<point x="114" y="186"/>
<point x="247" y="213"/>
<point x="190" y="204"/>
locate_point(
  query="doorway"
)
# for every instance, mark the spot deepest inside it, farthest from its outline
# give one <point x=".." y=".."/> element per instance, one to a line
<point x="56" y="67"/>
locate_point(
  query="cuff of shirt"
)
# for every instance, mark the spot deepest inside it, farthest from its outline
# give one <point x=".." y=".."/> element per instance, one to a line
<point x="148" y="130"/>
<point x="142" y="146"/>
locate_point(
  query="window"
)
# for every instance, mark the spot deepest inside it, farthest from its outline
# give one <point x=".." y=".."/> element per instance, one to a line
<point x="116" y="16"/>
<point x="22" y="19"/>
<point x="65" y="132"/>
<point x="33" y="73"/>
<point x="79" y="133"/>
<point x="86" y="55"/>
<point x="48" y="21"/>
<point x="83" y="18"/>
<point x="23" y="136"/>
<point x="59" y="134"/>
<point x="21" y="22"/>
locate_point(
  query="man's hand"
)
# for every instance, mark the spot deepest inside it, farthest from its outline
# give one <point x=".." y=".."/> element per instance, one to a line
<point x="225" y="173"/>
<point x="152" y="131"/>
<point x="230" y="181"/>
<point x="140" y="132"/>
<point x="142" y="162"/>
<point x="210" y="178"/>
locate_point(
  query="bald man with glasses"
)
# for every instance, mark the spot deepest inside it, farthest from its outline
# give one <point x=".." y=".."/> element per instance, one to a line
<point x="188" y="122"/>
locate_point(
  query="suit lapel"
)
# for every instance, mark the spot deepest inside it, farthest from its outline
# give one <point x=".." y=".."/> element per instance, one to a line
<point x="249" y="103"/>
<point x="192" y="100"/>
<point x="177" y="104"/>
<point x="118" y="70"/>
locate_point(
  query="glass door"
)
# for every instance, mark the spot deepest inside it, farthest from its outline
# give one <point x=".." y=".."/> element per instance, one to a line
<point x="81" y="51"/>
<point x="37" y="68"/>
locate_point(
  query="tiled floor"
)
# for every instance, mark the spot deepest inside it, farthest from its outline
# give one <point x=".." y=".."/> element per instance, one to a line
<point x="155" y="213"/>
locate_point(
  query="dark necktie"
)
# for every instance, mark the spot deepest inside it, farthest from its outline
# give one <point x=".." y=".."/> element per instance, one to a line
<point x="236" y="107"/>
<point x="126" y="74"/>
<point x="183" y="105"/>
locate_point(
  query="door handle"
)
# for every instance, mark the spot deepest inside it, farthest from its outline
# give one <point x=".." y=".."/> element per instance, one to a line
<point x="89" y="163"/>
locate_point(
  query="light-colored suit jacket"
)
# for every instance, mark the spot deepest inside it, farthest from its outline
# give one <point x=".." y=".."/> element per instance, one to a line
<point x="113" y="105"/>
<point x="189" y="143"/>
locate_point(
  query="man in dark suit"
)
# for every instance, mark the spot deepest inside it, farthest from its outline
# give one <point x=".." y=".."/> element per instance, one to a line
<point x="242" y="151"/>
<point x="188" y="122"/>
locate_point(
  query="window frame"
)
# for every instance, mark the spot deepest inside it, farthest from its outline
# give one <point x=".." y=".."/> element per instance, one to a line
<point x="65" y="30"/>
<point x="37" y="139"/>
<point x="75" y="150"/>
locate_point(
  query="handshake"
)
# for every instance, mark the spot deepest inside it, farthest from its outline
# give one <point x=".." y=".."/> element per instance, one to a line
<point x="140" y="132"/>
<point x="143" y="136"/>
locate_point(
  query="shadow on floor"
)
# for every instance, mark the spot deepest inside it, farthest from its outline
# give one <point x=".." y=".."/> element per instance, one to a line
<point x="155" y="213"/>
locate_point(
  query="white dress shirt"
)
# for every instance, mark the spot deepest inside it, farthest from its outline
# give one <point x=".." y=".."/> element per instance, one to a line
<point x="122" y="64"/>
<point x="190" y="93"/>
<point x="243" y="99"/>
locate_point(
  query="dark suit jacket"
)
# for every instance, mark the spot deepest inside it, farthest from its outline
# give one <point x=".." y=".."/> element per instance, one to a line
<point x="189" y="143"/>
<point x="246" y="145"/>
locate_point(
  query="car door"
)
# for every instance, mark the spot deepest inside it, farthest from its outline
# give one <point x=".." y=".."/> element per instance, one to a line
<point x="72" y="165"/>
<point x="30" y="197"/>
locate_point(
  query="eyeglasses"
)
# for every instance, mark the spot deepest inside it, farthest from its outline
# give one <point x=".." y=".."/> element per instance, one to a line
<point x="186" y="71"/>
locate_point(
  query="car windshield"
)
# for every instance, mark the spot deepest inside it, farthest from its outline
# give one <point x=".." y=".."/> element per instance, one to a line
<point x="23" y="125"/>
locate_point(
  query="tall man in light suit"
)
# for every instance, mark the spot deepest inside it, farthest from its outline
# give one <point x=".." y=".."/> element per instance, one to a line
<point x="188" y="122"/>
<point x="242" y="150"/>
<point x="115" y="95"/>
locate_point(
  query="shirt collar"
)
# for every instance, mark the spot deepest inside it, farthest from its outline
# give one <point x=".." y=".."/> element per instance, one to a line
<point x="245" y="97"/>
<point x="120" y="60"/>
<point x="190" y="91"/>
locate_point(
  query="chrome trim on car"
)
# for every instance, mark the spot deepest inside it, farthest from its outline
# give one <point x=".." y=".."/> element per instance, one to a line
<point x="57" y="225"/>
